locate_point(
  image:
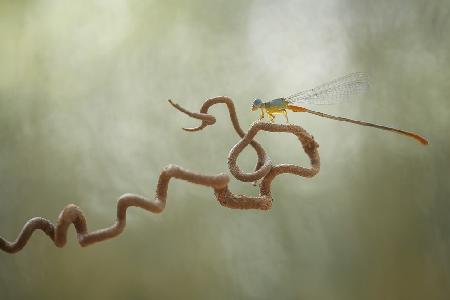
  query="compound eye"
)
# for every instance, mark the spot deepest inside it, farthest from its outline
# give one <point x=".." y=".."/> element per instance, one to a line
<point x="257" y="102"/>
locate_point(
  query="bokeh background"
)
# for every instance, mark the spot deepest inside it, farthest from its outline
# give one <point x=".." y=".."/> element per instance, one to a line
<point x="84" y="119"/>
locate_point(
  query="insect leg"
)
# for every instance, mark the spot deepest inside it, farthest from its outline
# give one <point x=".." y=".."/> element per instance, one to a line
<point x="286" y="116"/>
<point x="261" y="114"/>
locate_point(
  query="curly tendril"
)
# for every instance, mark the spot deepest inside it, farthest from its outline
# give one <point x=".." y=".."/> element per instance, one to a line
<point x="265" y="171"/>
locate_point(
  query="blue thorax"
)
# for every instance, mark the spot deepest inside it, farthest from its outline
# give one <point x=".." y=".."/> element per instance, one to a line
<point x="278" y="103"/>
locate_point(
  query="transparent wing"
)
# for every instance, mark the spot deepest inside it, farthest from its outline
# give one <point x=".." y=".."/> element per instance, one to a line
<point x="336" y="91"/>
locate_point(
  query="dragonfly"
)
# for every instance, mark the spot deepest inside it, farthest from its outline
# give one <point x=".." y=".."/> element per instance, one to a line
<point x="336" y="91"/>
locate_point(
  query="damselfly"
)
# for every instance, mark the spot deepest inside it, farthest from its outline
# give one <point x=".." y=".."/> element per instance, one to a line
<point x="336" y="91"/>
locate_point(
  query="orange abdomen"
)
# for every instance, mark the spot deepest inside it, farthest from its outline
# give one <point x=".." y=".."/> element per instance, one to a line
<point x="296" y="108"/>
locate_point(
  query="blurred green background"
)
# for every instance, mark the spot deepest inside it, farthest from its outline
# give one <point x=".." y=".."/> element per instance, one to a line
<point x="84" y="118"/>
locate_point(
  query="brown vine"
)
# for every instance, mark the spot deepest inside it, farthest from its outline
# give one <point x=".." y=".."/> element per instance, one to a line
<point x="265" y="171"/>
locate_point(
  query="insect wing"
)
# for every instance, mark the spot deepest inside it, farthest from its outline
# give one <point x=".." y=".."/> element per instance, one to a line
<point x="337" y="91"/>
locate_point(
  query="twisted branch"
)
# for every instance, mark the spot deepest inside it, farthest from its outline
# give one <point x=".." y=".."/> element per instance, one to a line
<point x="264" y="170"/>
